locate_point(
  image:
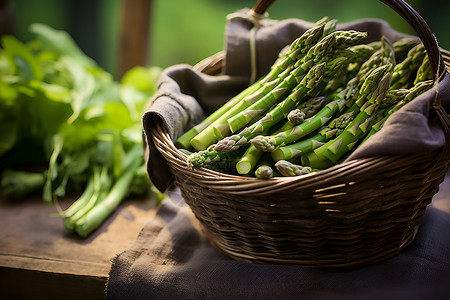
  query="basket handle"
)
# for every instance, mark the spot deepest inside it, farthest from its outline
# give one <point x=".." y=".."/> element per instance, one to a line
<point x="414" y="20"/>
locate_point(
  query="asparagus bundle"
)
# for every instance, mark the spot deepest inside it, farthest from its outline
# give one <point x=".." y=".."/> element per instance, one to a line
<point x="321" y="99"/>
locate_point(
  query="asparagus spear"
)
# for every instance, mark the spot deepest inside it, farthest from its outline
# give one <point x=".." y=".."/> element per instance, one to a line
<point x="290" y="135"/>
<point x="269" y="143"/>
<point x="215" y="160"/>
<point x="334" y="149"/>
<point x="252" y="156"/>
<point x="209" y="157"/>
<point x="218" y="128"/>
<point x="307" y="109"/>
<point x="337" y="125"/>
<point x="393" y="97"/>
<point x="264" y="103"/>
<point x="335" y="40"/>
<point x="215" y="130"/>
<point x="403" y="46"/>
<point x="410" y="94"/>
<point x="249" y="160"/>
<point x="424" y="71"/>
<point x="404" y="70"/>
<point x="315" y="53"/>
<point x="286" y="168"/>
<point x="362" y="53"/>
<point x="233" y="142"/>
<point x="309" y="82"/>
<point x="297" y="149"/>
<point x="264" y="171"/>
<point x="293" y="150"/>
<point x="184" y="141"/>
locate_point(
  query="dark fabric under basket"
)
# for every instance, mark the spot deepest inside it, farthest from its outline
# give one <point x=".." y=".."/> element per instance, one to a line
<point x="353" y="214"/>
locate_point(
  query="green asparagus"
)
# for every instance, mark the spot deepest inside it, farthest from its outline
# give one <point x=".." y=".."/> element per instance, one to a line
<point x="334" y="149"/>
<point x="408" y="95"/>
<point x="249" y="160"/>
<point x="309" y="82"/>
<point x="264" y="171"/>
<point x="405" y="69"/>
<point x="286" y="168"/>
<point x="323" y="104"/>
<point x="297" y="149"/>
<point x="316" y="53"/>
<point x="219" y="128"/>
<point x="233" y="142"/>
<point x="269" y="143"/>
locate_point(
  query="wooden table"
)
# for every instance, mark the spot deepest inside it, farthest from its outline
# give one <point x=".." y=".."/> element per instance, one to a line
<point x="39" y="260"/>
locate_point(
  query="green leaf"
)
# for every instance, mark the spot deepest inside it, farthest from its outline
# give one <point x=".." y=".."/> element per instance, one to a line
<point x="61" y="43"/>
<point x="8" y="135"/>
<point x="142" y="78"/>
<point x="22" y="60"/>
<point x="19" y="184"/>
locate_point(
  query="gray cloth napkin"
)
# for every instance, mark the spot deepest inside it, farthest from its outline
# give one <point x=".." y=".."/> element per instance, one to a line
<point x="172" y="259"/>
<point x="185" y="96"/>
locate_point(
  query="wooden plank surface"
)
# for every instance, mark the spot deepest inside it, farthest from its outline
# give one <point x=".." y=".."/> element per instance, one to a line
<point x="37" y="252"/>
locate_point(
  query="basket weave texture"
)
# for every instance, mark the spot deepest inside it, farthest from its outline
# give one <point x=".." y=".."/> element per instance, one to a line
<point x="353" y="214"/>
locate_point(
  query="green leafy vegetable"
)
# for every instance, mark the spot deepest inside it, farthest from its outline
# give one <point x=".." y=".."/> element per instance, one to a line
<point x="71" y="126"/>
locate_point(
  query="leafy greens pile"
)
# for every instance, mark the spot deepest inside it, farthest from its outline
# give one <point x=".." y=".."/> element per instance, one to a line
<point x="68" y="126"/>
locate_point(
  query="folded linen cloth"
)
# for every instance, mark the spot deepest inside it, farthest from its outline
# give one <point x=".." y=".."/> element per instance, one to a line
<point x="185" y="96"/>
<point x="172" y="259"/>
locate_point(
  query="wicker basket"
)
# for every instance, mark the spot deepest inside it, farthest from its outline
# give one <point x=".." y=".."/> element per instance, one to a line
<point x="353" y="214"/>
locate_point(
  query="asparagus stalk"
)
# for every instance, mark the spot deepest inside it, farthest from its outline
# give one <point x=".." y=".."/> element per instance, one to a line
<point x="383" y="56"/>
<point x="219" y="128"/>
<point x="252" y="156"/>
<point x="316" y="53"/>
<point x="334" y="128"/>
<point x="415" y="91"/>
<point x="249" y="160"/>
<point x="286" y="168"/>
<point x="233" y="142"/>
<point x="307" y="109"/>
<point x="269" y="143"/>
<point x="264" y="171"/>
<point x="263" y="104"/>
<point x="362" y="53"/>
<point x="403" y="46"/>
<point x="335" y="40"/>
<point x="297" y="149"/>
<point x="404" y="70"/>
<point x="213" y="132"/>
<point x="334" y="149"/>
<point x="290" y="135"/>
<point x="424" y="73"/>
<point x="184" y="141"/>
<point x="215" y="160"/>
<point x="309" y="82"/>
<point x="393" y="97"/>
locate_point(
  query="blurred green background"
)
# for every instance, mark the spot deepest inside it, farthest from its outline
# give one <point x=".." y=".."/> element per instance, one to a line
<point x="184" y="31"/>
